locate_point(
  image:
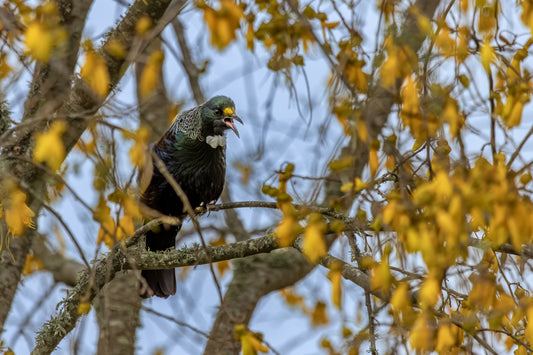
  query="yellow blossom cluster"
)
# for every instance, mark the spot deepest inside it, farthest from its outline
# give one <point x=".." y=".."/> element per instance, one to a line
<point x="251" y="342"/>
<point x="110" y="231"/>
<point x="400" y="63"/>
<point x="512" y="89"/>
<point x="94" y="71"/>
<point x="442" y="213"/>
<point x="139" y="151"/>
<point x="43" y="33"/>
<point x="438" y="221"/>
<point x="222" y="22"/>
<point x="13" y="209"/>
<point x="49" y="146"/>
<point x="150" y="73"/>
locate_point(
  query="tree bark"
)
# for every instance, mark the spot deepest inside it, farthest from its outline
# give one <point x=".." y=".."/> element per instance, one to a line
<point x="12" y="261"/>
<point x="253" y="278"/>
<point x="117" y="308"/>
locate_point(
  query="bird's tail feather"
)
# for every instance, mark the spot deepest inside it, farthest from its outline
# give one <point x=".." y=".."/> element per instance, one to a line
<point x="161" y="282"/>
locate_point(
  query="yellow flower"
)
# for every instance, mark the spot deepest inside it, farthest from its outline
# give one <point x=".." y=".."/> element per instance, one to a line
<point x="95" y="73"/>
<point x="49" y="147"/>
<point x="429" y="292"/>
<point x="138" y="153"/>
<point x="32" y="264"/>
<point x="223" y="23"/>
<point x="314" y="245"/>
<point x="18" y="215"/>
<point x="143" y="25"/>
<point x="421" y="335"/>
<point x="39" y="42"/>
<point x="400" y="300"/>
<point x="487" y="54"/>
<point x="84" y="308"/>
<point x="286" y="231"/>
<point x="319" y="315"/>
<point x="335" y="276"/>
<point x="150" y="74"/>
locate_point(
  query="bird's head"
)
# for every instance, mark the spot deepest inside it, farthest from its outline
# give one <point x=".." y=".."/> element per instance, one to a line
<point x="218" y="115"/>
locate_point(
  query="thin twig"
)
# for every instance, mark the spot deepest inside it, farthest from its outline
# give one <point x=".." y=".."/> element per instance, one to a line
<point x="174" y="320"/>
<point x="59" y="218"/>
<point x="328" y="212"/>
<point x="325" y="51"/>
<point x="188" y="64"/>
<point x="371" y="323"/>
<point x="25" y="323"/>
<point x="519" y="148"/>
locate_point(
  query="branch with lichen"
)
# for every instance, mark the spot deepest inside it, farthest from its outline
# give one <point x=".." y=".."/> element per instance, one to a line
<point x="136" y="258"/>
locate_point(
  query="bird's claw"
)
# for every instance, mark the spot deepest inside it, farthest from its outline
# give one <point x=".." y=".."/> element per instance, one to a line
<point x="209" y="206"/>
<point x="200" y="209"/>
<point x="205" y="207"/>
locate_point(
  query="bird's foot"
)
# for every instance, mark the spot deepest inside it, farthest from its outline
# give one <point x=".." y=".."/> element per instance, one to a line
<point x="200" y="209"/>
<point x="205" y="208"/>
<point x="209" y="206"/>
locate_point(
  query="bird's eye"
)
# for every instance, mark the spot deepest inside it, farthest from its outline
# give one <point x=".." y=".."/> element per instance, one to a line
<point x="218" y="112"/>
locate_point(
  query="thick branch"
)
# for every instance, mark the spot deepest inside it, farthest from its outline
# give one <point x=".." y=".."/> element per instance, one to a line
<point x="63" y="269"/>
<point x="12" y="261"/>
<point x="118" y="259"/>
<point x="199" y="255"/>
<point x="117" y="310"/>
<point x="253" y="278"/>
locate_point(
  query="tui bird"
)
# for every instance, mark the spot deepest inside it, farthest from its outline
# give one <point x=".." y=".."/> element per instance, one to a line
<point x="194" y="152"/>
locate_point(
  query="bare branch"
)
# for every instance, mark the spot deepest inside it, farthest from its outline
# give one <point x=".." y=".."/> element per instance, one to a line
<point x="63" y="269"/>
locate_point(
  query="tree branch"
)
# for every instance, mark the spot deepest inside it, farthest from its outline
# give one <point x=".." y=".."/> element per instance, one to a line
<point x="117" y="311"/>
<point x="136" y="258"/>
<point x="192" y="71"/>
<point x="63" y="269"/>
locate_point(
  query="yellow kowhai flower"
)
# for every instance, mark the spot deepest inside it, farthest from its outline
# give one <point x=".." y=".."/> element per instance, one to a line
<point x="49" y="147"/>
<point x="18" y="215"/>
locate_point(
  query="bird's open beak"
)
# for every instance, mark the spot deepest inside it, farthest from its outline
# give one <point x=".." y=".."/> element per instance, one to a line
<point x="228" y="120"/>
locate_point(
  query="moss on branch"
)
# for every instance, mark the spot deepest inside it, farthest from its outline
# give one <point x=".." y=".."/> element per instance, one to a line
<point x="91" y="281"/>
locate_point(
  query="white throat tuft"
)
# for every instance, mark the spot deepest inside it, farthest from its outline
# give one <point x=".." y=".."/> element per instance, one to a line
<point x="216" y="141"/>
